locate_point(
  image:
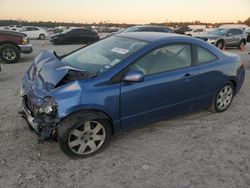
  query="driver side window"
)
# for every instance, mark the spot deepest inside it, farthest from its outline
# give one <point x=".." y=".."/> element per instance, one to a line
<point x="75" y="32"/>
<point x="230" y="32"/>
<point x="165" y="59"/>
<point x="26" y="29"/>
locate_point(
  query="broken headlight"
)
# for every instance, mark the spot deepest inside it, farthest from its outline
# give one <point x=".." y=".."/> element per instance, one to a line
<point x="49" y="106"/>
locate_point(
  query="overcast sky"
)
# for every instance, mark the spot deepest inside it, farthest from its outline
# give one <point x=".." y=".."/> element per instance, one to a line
<point x="126" y="11"/>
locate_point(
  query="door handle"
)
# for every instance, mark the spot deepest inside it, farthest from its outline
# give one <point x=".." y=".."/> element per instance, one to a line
<point x="188" y="75"/>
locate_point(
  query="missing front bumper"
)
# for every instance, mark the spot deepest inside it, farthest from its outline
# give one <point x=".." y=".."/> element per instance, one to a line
<point x="44" y="130"/>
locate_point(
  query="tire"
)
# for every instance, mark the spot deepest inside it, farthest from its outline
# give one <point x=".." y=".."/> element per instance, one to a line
<point x="56" y="42"/>
<point x="41" y="36"/>
<point x="9" y="53"/>
<point x="220" y="44"/>
<point x="241" y="45"/>
<point x="80" y="135"/>
<point x="59" y="41"/>
<point x="223" y="98"/>
<point x="248" y="38"/>
<point x="87" y="41"/>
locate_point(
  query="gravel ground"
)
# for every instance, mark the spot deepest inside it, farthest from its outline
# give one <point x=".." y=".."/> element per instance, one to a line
<point x="194" y="150"/>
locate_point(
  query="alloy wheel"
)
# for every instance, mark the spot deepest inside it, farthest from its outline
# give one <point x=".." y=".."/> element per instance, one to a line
<point x="42" y="36"/>
<point x="9" y="54"/>
<point x="220" y="45"/>
<point x="242" y="46"/>
<point x="224" y="97"/>
<point x="87" y="139"/>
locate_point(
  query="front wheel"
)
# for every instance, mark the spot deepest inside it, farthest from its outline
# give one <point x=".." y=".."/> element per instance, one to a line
<point x="9" y="53"/>
<point x="81" y="137"/>
<point x="223" y="99"/>
<point x="220" y="44"/>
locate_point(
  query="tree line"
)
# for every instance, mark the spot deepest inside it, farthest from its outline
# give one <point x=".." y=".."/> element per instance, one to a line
<point x="51" y="24"/>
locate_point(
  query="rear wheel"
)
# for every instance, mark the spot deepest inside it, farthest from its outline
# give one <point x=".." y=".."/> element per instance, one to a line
<point x="242" y="45"/>
<point x="41" y="36"/>
<point x="223" y="98"/>
<point x="80" y="136"/>
<point x="9" y="53"/>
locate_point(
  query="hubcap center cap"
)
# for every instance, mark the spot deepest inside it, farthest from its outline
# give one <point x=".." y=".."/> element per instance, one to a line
<point x="86" y="136"/>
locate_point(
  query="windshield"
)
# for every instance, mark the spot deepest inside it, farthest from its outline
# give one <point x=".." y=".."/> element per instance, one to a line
<point x="218" y="32"/>
<point x="101" y="56"/>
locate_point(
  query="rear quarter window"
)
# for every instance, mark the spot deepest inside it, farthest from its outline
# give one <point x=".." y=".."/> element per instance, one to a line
<point x="205" y="56"/>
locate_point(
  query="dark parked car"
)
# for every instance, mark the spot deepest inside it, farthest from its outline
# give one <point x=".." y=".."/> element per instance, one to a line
<point x="122" y="82"/>
<point x="12" y="44"/>
<point x="144" y="28"/>
<point x="182" y="30"/>
<point x="74" y="36"/>
<point x="225" y="37"/>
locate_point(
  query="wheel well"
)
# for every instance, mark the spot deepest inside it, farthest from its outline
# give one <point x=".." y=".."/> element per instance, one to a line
<point x="234" y="84"/>
<point x="220" y="40"/>
<point x="243" y="41"/>
<point x="9" y="42"/>
<point x="93" y="113"/>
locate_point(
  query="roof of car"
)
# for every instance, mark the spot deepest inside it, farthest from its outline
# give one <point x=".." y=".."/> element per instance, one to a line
<point x="150" y="36"/>
<point x="229" y="28"/>
<point x="160" y="26"/>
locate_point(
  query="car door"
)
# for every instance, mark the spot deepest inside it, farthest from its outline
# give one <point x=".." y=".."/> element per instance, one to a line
<point x="73" y="36"/>
<point x="169" y="86"/>
<point x="86" y="35"/>
<point x="27" y="31"/>
<point x="32" y="32"/>
<point x="230" y="37"/>
<point x="237" y="37"/>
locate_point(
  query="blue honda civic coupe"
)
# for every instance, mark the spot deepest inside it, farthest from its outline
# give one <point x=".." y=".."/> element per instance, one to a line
<point x="122" y="82"/>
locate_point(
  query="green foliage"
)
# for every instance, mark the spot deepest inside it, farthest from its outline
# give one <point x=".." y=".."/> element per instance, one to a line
<point x="108" y="24"/>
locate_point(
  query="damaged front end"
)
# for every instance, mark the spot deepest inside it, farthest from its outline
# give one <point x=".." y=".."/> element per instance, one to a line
<point x="42" y="119"/>
<point x="39" y="106"/>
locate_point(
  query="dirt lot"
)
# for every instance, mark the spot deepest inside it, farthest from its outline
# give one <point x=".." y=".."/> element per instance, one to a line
<point x="195" y="150"/>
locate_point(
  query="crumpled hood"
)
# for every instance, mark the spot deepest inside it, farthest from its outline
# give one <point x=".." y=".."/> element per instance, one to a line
<point x="47" y="71"/>
<point x="47" y="68"/>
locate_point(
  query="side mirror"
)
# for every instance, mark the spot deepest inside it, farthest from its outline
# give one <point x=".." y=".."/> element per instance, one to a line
<point x="229" y="34"/>
<point x="133" y="76"/>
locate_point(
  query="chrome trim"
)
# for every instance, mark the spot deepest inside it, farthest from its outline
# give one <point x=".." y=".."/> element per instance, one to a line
<point x="27" y="48"/>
